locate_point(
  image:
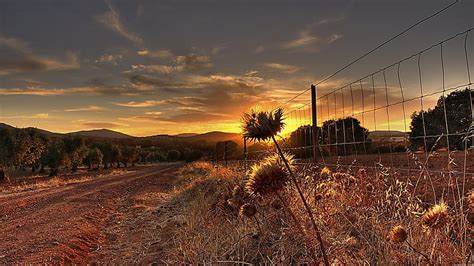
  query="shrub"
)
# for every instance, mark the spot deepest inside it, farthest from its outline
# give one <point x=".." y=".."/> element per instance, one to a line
<point x="173" y="155"/>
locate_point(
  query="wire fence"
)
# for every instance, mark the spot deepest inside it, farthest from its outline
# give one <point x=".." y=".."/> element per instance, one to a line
<point x="414" y="115"/>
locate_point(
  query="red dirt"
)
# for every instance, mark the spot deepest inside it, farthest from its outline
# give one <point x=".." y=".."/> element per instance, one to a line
<point x="93" y="221"/>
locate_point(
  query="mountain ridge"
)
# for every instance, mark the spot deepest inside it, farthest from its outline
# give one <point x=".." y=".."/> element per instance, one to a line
<point x="111" y="134"/>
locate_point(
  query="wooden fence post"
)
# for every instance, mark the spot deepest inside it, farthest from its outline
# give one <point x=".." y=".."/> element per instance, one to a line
<point x="315" y="124"/>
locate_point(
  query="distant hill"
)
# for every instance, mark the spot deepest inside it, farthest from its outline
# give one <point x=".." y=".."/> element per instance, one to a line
<point x="213" y="136"/>
<point x="185" y="135"/>
<point x="41" y="131"/>
<point x="2" y="125"/>
<point x="100" y="133"/>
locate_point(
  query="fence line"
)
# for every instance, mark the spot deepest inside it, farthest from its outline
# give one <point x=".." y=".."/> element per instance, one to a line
<point x="364" y="123"/>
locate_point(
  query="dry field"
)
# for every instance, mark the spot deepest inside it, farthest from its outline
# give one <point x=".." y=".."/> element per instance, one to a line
<point x="174" y="214"/>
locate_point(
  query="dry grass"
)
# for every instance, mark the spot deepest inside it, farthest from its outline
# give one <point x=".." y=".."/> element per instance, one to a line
<point x="361" y="216"/>
<point x="38" y="182"/>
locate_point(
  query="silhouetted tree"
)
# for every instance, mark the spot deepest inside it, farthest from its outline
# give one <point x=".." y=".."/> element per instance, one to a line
<point x="93" y="158"/>
<point x="458" y="117"/>
<point x="344" y="136"/>
<point x="129" y="155"/>
<point x="106" y="148"/>
<point x="173" y="155"/>
<point x="6" y="151"/>
<point x="54" y="157"/>
<point x="75" y="150"/>
<point x="191" y="155"/>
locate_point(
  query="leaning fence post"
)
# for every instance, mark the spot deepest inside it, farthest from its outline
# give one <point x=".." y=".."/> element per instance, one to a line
<point x="315" y="124"/>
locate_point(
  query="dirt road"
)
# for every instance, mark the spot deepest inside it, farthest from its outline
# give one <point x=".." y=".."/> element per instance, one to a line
<point x="113" y="219"/>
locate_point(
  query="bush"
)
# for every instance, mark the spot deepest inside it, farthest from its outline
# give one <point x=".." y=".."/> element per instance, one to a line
<point x="173" y="155"/>
<point x="192" y="155"/>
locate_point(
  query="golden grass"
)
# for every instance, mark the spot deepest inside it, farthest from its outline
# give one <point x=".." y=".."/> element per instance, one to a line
<point x="360" y="215"/>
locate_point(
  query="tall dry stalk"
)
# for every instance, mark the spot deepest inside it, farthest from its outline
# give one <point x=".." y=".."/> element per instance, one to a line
<point x="262" y="126"/>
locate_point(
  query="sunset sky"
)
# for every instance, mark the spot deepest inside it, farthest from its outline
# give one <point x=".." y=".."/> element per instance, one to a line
<point x="166" y="67"/>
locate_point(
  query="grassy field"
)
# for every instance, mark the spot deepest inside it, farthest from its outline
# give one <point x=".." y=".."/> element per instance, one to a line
<point x="356" y="210"/>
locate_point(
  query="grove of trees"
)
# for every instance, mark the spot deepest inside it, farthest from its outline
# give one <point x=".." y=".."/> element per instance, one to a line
<point x="23" y="149"/>
<point x="432" y="122"/>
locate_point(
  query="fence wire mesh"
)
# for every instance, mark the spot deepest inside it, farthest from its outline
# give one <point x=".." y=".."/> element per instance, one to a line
<point x="414" y="115"/>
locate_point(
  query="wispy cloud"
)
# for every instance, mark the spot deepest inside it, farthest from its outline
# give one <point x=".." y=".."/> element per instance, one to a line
<point x="189" y="117"/>
<point x="142" y="104"/>
<point x="192" y="62"/>
<point x="307" y="40"/>
<point x="18" y="57"/>
<point x="304" y="40"/>
<point x="282" y="67"/>
<point x="259" y="49"/>
<point x="110" y="59"/>
<point x="161" y="69"/>
<point x="32" y="116"/>
<point x="162" y="54"/>
<point x="334" y="37"/>
<point x="111" y="20"/>
<point x="181" y="63"/>
<point x="85" y="109"/>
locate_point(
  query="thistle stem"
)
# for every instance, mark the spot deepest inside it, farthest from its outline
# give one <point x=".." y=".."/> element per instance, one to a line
<point x="305" y="203"/>
<point x="418" y="252"/>
<point x="298" y="225"/>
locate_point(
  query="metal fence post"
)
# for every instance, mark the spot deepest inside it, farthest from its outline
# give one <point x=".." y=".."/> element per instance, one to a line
<point x="315" y="124"/>
<point x="471" y="131"/>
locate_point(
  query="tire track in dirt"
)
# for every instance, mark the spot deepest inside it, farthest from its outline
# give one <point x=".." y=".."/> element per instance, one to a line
<point x="66" y="224"/>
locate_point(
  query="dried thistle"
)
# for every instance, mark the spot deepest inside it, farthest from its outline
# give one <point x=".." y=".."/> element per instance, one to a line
<point x="470" y="200"/>
<point x="248" y="210"/>
<point x="435" y="217"/>
<point x="362" y="173"/>
<point x="276" y="204"/>
<point x="261" y="125"/>
<point x="325" y="173"/>
<point x="268" y="176"/>
<point x="318" y="197"/>
<point x="397" y="235"/>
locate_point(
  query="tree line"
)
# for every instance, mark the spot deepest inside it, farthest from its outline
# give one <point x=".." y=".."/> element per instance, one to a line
<point x="28" y="148"/>
<point x="428" y="129"/>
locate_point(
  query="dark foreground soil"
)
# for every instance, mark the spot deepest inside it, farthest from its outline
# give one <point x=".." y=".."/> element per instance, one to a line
<point x="122" y="218"/>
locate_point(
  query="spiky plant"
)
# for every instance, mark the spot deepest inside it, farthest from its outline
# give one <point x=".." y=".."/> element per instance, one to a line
<point x="436" y="217"/>
<point x="470" y="200"/>
<point x="276" y="204"/>
<point x="268" y="176"/>
<point x="263" y="126"/>
<point x="325" y="173"/>
<point x="248" y="210"/>
<point x="397" y="235"/>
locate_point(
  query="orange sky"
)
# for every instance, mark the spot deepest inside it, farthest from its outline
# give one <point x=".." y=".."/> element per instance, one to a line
<point x="144" y="68"/>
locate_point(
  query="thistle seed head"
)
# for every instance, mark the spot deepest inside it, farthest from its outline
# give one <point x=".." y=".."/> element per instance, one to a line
<point x="269" y="176"/>
<point x="276" y="204"/>
<point x="435" y="217"/>
<point x="248" y="210"/>
<point x="262" y="125"/>
<point x="397" y="235"/>
<point x="325" y="173"/>
<point x="470" y="201"/>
